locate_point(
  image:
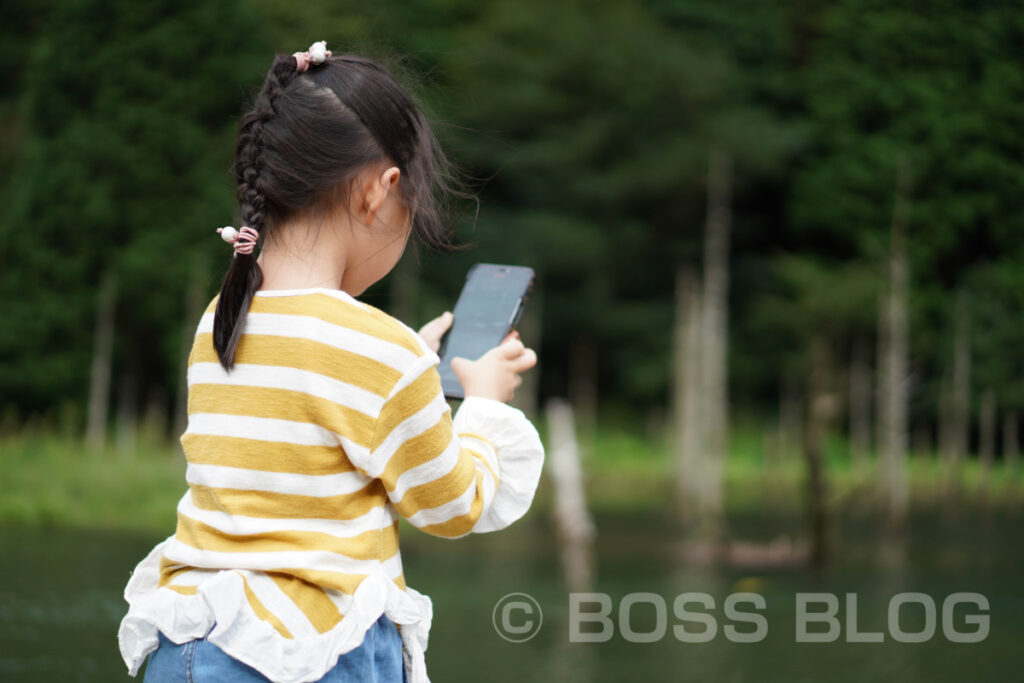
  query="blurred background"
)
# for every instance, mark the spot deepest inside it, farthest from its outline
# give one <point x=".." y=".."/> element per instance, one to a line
<point x="778" y="311"/>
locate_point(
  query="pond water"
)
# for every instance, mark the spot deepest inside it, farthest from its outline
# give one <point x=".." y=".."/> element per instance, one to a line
<point x="60" y="603"/>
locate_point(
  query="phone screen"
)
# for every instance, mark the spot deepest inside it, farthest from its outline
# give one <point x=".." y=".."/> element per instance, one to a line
<point x="488" y="307"/>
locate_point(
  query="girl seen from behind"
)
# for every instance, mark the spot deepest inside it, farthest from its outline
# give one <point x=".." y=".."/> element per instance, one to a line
<point x="315" y="420"/>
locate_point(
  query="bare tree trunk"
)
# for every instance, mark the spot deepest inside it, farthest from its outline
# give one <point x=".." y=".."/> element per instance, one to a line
<point x="195" y="294"/>
<point x="715" y="332"/>
<point x="154" y="422"/>
<point x="881" y="353"/>
<point x="103" y="347"/>
<point x="686" y="397"/>
<point x="860" y="403"/>
<point x="583" y="382"/>
<point x="947" y="436"/>
<point x="960" y="399"/>
<point x="819" y="409"/>
<point x="893" y="420"/>
<point x="987" y="434"/>
<point x="1011" y="443"/>
<point x="922" y="443"/>
<point x="790" y="416"/>
<point x="574" y="524"/>
<point x="127" y="413"/>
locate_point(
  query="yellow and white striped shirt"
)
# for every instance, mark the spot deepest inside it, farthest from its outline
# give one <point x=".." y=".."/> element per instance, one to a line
<point x="330" y="425"/>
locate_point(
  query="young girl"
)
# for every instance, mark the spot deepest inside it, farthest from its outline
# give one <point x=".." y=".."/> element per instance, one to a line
<point x="316" y="420"/>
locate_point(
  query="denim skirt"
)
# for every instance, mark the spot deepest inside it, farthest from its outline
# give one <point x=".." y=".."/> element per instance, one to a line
<point x="378" y="660"/>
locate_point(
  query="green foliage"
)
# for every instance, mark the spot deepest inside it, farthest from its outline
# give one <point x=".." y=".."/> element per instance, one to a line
<point x="129" y="111"/>
<point x="586" y="129"/>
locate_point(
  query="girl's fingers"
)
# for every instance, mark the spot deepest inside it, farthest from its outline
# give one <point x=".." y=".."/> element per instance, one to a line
<point x="524" y="361"/>
<point x="439" y="325"/>
<point x="511" y="348"/>
<point x="514" y="334"/>
<point x="435" y="329"/>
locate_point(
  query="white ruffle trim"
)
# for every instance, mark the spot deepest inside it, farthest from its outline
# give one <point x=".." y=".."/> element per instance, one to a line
<point x="520" y="457"/>
<point x="220" y="604"/>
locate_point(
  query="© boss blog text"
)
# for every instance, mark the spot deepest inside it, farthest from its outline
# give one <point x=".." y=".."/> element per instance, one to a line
<point x="911" y="618"/>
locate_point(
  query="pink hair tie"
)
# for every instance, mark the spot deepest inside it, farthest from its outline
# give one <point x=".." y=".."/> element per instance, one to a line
<point x="244" y="239"/>
<point x="316" y="54"/>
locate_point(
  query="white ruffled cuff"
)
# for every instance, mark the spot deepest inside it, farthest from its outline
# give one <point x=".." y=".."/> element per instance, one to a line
<point x="520" y="455"/>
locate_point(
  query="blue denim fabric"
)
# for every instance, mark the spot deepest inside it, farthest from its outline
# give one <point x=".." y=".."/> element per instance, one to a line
<point x="378" y="660"/>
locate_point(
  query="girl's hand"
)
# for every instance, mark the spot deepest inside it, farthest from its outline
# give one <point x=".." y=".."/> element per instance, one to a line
<point x="435" y="329"/>
<point x="495" y="374"/>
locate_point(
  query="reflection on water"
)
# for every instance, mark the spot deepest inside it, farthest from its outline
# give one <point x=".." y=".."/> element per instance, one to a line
<point x="60" y="603"/>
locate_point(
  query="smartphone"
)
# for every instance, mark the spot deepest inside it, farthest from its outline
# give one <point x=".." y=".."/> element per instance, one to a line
<point x="487" y="309"/>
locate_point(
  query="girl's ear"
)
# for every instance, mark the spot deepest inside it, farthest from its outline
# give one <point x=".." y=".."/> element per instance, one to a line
<point x="376" y="189"/>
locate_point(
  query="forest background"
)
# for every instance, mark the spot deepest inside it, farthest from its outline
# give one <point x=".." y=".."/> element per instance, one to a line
<point x="771" y="164"/>
<point x="780" y="285"/>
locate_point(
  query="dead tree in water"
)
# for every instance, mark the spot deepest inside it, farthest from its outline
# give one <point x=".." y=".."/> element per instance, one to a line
<point x="860" y="402"/>
<point x="894" y="334"/>
<point x="575" y="527"/>
<point x="960" y="397"/>
<point x="819" y="410"/>
<point x="715" y="334"/>
<point x="686" y="397"/>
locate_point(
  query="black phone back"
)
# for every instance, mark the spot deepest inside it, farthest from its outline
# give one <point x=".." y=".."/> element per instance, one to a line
<point x="488" y="307"/>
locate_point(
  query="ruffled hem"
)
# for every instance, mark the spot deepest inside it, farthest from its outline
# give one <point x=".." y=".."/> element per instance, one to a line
<point x="520" y="457"/>
<point x="220" y="611"/>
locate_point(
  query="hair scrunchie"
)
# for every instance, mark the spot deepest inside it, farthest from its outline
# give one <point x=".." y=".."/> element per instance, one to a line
<point x="316" y="54"/>
<point x="244" y="239"/>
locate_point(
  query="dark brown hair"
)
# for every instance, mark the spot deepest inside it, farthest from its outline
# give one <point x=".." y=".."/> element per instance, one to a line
<point x="306" y="136"/>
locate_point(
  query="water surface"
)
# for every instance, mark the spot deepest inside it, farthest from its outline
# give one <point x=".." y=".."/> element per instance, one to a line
<point x="60" y="602"/>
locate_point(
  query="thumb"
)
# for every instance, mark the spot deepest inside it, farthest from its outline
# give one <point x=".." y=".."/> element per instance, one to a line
<point x="460" y="364"/>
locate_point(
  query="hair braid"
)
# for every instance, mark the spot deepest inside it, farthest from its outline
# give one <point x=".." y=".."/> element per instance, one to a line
<point x="300" y="147"/>
<point x="244" y="275"/>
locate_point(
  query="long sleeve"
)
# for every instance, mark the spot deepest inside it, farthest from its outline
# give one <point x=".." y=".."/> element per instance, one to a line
<point x="449" y="477"/>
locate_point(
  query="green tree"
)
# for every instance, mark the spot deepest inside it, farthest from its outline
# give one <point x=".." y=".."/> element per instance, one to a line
<point x="129" y="112"/>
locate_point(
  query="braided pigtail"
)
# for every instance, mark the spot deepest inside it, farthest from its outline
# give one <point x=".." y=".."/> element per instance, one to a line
<point x="244" y="276"/>
<point x="319" y="121"/>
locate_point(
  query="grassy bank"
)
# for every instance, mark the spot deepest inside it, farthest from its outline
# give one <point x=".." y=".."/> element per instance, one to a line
<point x="46" y="478"/>
<point x="49" y="478"/>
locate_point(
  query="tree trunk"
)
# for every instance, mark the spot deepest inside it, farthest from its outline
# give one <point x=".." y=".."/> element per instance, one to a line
<point x="1011" y="443"/>
<point x="960" y="400"/>
<point x="922" y="443"/>
<point x="583" y="382"/>
<point x="819" y="409"/>
<point x="686" y="397"/>
<point x="195" y="300"/>
<point x="573" y="522"/>
<point x="944" y="416"/>
<point x="987" y="433"/>
<point x="790" y="416"/>
<point x="154" y="423"/>
<point x="127" y="413"/>
<point x="893" y="419"/>
<point x="103" y="347"/>
<point x="715" y="331"/>
<point x="860" y="403"/>
<point x="881" y="353"/>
